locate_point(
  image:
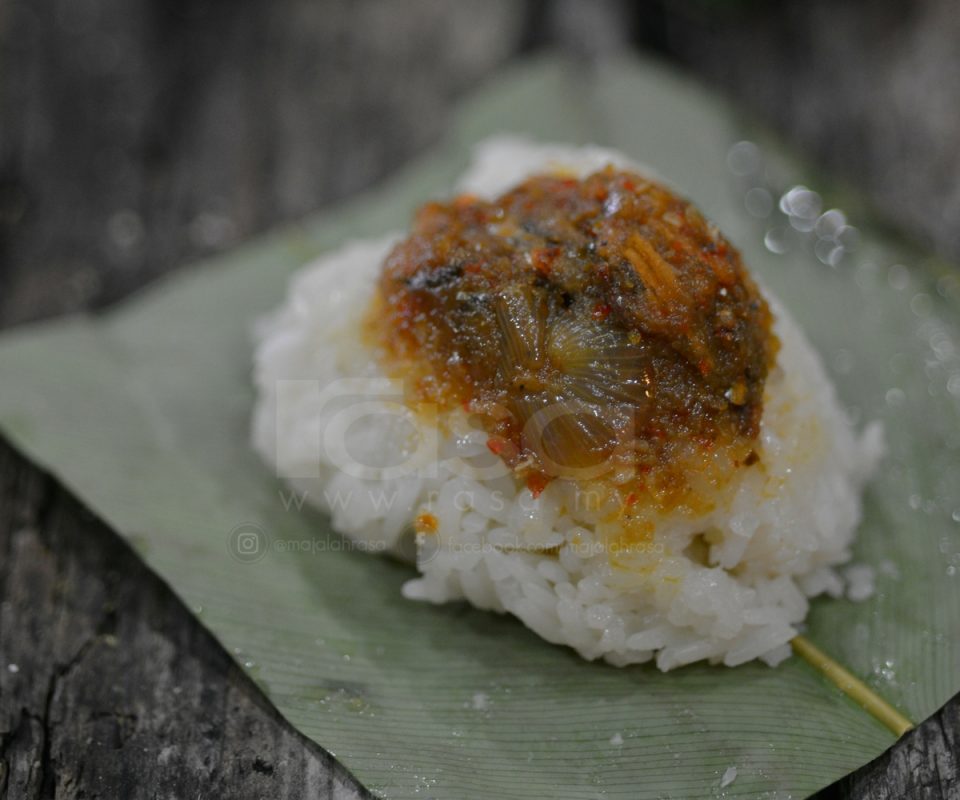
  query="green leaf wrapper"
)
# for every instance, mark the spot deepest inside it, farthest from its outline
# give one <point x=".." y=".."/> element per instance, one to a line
<point x="144" y="413"/>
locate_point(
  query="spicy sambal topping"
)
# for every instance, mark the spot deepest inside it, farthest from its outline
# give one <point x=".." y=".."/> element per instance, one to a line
<point x="591" y="321"/>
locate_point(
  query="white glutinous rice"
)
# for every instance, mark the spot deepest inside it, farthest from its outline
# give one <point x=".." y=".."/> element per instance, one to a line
<point x="335" y="428"/>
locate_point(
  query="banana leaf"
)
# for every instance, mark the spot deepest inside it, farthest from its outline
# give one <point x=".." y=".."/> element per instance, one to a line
<point x="143" y="412"/>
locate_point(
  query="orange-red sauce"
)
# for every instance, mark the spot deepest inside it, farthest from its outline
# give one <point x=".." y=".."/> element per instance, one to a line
<point x="595" y="324"/>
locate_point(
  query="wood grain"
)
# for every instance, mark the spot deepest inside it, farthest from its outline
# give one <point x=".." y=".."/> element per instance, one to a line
<point x="138" y="134"/>
<point x="110" y="687"/>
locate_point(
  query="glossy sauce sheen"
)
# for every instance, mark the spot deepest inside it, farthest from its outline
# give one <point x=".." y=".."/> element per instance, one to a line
<point x="597" y="326"/>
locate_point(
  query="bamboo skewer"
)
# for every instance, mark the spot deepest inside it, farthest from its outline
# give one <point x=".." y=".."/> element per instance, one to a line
<point x="851" y="686"/>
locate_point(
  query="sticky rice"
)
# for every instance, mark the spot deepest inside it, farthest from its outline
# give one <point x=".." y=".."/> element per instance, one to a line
<point x="728" y="584"/>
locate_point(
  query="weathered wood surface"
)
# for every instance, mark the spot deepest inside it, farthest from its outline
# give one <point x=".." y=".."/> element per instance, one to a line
<point x="870" y="90"/>
<point x="136" y="134"/>
<point x="110" y="687"/>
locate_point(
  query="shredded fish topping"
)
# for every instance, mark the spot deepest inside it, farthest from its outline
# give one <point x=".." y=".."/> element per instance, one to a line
<point x="593" y="324"/>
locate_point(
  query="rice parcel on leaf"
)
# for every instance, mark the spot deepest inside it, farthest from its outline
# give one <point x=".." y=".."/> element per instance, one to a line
<point x="564" y="393"/>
